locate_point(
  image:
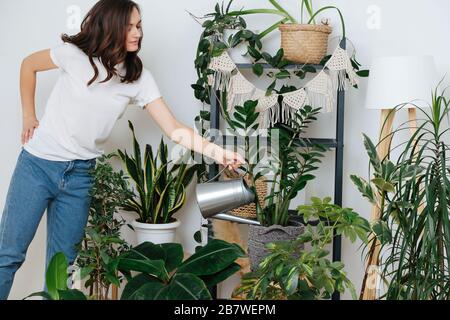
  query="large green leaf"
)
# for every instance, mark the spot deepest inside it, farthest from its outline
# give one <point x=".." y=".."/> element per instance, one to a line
<point x="152" y="267"/>
<point x="212" y="258"/>
<point x="71" y="294"/>
<point x="216" y="278"/>
<point x="141" y="287"/>
<point x="184" y="286"/>
<point x="56" y="275"/>
<point x="174" y="255"/>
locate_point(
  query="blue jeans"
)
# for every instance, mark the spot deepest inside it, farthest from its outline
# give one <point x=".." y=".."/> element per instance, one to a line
<point x="61" y="188"/>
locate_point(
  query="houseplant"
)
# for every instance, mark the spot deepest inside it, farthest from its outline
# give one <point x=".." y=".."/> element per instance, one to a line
<point x="163" y="275"/>
<point x="56" y="280"/>
<point x="161" y="190"/>
<point x="412" y="192"/>
<point x="288" y="272"/>
<point x="214" y="42"/>
<point x="302" y="42"/>
<point x="102" y="244"/>
<point x="291" y="165"/>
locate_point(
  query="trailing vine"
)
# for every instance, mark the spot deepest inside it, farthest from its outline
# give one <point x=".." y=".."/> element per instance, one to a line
<point x="212" y="43"/>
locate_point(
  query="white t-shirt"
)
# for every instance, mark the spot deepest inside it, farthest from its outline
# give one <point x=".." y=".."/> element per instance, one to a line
<point x="78" y="118"/>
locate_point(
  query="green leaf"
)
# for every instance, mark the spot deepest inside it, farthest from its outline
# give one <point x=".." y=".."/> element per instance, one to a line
<point x="56" y="275"/>
<point x="271" y="88"/>
<point x="220" y="276"/>
<point x="254" y="53"/>
<point x="185" y="286"/>
<point x="363" y="73"/>
<point x="283" y="74"/>
<point x="142" y="287"/>
<point x="258" y="69"/>
<point x="152" y="267"/>
<point x="174" y="255"/>
<point x="373" y="155"/>
<point x="365" y="188"/>
<point x="215" y="256"/>
<point x="71" y="294"/>
<point x="383" y="185"/>
<point x="382" y="231"/>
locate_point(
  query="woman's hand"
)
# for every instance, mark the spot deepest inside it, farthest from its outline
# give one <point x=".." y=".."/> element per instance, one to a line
<point x="231" y="160"/>
<point x="29" y="124"/>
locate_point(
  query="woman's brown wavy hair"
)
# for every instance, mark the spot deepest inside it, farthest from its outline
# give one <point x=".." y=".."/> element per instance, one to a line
<point x="103" y="35"/>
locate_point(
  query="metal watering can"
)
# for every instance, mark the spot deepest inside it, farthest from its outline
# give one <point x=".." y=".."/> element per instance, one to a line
<point x="213" y="198"/>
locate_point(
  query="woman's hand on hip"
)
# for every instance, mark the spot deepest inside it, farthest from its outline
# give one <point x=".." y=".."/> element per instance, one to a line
<point x="29" y="125"/>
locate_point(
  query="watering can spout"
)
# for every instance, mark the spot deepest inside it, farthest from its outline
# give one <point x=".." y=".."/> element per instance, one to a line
<point x="214" y="198"/>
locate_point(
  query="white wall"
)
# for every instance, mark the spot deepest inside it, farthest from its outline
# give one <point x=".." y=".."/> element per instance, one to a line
<point x="406" y="27"/>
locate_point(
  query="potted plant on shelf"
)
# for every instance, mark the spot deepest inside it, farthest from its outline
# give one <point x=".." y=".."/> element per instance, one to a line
<point x="102" y="244"/>
<point x="163" y="275"/>
<point x="161" y="186"/>
<point x="288" y="272"/>
<point x="412" y="192"/>
<point x="291" y="165"/>
<point x="302" y="42"/>
<point x="215" y="40"/>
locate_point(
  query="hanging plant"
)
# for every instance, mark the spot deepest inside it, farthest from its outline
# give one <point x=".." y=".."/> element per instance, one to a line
<point x="213" y="44"/>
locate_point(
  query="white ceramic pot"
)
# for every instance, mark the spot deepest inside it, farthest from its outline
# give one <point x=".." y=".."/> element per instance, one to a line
<point x="155" y="233"/>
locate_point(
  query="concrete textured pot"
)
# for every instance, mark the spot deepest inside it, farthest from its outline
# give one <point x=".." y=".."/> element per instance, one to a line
<point x="258" y="236"/>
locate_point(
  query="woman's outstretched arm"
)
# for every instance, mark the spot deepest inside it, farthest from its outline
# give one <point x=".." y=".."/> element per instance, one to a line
<point x="185" y="136"/>
<point x="38" y="61"/>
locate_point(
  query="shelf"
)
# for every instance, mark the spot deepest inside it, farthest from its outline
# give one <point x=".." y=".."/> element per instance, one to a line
<point x="289" y="66"/>
<point x="337" y="143"/>
<point x="303" y="142"/>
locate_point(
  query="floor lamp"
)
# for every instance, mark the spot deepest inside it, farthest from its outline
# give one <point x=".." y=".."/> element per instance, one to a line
<point x="394" y="81"/>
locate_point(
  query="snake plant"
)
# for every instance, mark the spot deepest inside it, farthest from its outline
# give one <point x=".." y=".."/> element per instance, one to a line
<point x="160" y="184"/>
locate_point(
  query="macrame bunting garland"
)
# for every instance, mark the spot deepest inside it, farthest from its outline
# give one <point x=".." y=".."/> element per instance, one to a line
<point x="318" y="92"/>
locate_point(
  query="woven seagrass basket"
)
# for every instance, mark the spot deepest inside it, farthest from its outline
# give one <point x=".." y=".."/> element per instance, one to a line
<point x="249" y="210"/>
<point x="304" y="43"/>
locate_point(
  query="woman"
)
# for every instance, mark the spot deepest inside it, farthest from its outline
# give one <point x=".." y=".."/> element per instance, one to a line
<point x="100" y="74"/>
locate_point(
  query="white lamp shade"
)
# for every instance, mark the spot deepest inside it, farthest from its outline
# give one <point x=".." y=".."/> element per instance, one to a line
<point x="398" y="80"/>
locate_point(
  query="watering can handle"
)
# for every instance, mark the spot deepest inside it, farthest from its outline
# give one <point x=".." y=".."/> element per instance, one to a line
<point x="224" y="168"/>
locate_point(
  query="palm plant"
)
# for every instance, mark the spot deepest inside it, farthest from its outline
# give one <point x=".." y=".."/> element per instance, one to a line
<point x="160" y="184"/>
<point x="413" y="196"/>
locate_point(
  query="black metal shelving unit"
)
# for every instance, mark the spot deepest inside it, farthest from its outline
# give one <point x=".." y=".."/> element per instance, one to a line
<point x="336" y="143"/>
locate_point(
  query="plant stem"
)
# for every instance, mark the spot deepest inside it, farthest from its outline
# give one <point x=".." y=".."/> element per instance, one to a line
<point x="340" y="16"/>
<point x="258" y="11"/>
<point x="272" y="28"/>
<point x="281" y="9"/>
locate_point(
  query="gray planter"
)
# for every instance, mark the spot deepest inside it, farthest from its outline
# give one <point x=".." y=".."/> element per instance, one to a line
<point x="258" y="236"/>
